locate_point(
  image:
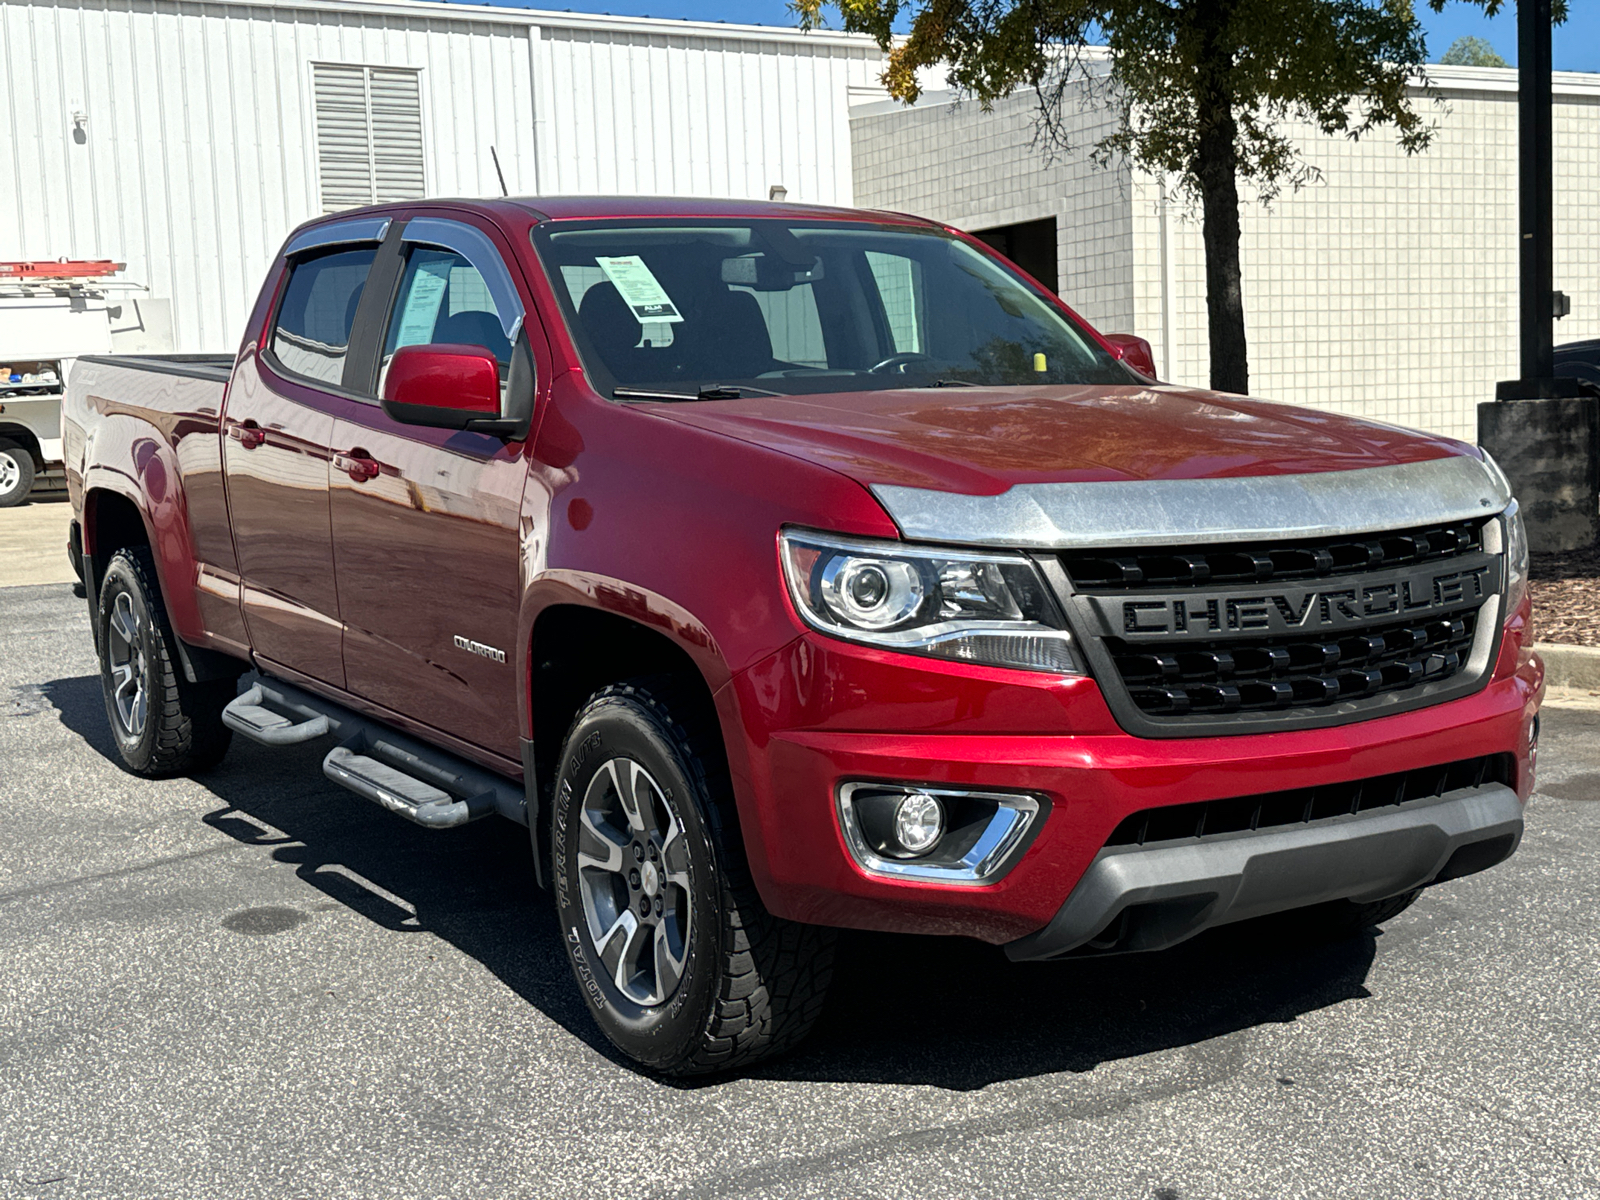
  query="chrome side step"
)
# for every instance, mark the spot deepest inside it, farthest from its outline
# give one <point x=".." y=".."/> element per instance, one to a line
<point x="421" y="783"/>
<point x="367" y="765"/>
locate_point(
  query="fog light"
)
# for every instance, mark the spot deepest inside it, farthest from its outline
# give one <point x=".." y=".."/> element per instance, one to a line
<point x="918" y="823"/>
<point x="934" y="834"/>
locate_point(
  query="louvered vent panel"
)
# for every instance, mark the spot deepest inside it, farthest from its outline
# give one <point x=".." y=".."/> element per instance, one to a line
<point x="396" y="134"/>
<point x="344" y="147"/>
<point x="369" y="135"/>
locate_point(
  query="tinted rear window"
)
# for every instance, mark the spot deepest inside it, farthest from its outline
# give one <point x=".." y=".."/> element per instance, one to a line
<point x="312" y="334"/>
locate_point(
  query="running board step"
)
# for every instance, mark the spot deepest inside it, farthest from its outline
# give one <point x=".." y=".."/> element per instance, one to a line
<point x="367" y="765"/>
<point x="419" y="782"/>
<point x="249" y="714"/>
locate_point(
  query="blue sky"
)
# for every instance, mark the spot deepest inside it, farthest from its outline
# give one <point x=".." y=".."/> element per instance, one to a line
<point x="1577" y="44"/>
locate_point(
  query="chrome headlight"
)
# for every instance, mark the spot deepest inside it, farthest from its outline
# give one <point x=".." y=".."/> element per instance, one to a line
<point x="992" y="609"/>
<point x="1516" y="542"/>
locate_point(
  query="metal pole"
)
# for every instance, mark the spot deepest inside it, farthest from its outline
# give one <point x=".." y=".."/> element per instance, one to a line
<point x="1536" y="218"/>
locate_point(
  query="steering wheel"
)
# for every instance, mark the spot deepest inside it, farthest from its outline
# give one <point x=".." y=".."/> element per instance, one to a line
<point x="901" y="361"/>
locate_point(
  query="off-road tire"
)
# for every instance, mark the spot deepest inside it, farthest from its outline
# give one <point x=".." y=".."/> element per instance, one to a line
<point x="753" y="984"/>
<point x="182" y="730"/>
<point x="1345" y="918"/>
<point x="16" y="473"/>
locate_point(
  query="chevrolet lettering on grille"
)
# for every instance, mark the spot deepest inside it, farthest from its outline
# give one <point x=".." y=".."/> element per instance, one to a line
<point x="1335" y="605"/>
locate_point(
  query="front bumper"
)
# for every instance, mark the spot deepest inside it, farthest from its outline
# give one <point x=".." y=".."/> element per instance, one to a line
<point x="822" y="713"/>
<point x="1152" y="897"/>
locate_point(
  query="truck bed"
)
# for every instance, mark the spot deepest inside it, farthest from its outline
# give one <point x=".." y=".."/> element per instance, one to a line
<point x="214" y="367"/>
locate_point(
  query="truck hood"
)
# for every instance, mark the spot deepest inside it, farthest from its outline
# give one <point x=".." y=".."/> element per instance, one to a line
<point x="1162" y="465"/>
<point x="985" y="441"/>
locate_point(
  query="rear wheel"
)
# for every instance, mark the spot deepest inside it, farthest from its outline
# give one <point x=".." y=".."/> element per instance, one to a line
<point x="162" y="723"/>
<point x="681" y="966"/>
<point x="16" y="473"/>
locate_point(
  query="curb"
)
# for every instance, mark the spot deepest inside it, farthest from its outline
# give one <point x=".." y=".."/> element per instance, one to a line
<point x="1570" y="666"/>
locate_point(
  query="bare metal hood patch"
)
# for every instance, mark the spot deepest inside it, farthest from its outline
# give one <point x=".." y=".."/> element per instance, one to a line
<point x="1167" y="512"/>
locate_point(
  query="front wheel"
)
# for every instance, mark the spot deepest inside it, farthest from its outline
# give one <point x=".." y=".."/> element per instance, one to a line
<point x="681" y="966"/>
<point x="163" y="724"/>
<point x="16" y="474"/>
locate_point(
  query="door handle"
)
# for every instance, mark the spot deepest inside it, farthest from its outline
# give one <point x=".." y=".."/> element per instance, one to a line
<point x="247" y="433"/>
<point x="357" y="464"/>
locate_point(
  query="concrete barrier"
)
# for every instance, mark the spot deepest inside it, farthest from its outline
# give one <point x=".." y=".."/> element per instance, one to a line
<point x="1570" y="666"/>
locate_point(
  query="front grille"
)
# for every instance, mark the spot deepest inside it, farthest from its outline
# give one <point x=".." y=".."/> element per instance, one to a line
<point x="1282" y="673"/>
<point x="1240" y="638"/>
<point x="1171" y="569"/>
<point x="1277" y="810"/>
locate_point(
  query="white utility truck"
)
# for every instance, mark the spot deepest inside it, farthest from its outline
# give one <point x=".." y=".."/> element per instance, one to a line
<point x="51" y="314"/>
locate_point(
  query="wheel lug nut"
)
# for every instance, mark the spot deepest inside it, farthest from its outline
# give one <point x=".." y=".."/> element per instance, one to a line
<point x="644" y="906"/>
<point x="638" y="852"/>
<point x="633" y="879"/>
<point x="659" y="906"/>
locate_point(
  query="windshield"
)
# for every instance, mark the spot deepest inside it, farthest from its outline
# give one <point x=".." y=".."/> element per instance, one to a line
<point x="727" y="308"/>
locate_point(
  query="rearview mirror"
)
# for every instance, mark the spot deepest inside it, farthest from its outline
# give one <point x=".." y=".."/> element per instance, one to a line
<point x="1134" y="351"/>
<point x="444" y="386"/>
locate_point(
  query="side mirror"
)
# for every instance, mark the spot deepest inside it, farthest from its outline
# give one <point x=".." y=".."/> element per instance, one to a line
<point x="444" y="386"/>
<point x="1134" y="351"/>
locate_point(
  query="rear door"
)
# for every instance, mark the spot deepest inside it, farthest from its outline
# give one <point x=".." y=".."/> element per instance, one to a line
<point x="425" y="521"/>
<point x="278" y="429"/>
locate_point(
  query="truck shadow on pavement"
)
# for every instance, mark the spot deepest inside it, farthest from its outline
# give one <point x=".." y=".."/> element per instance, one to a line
<point x="943" y="1012"/>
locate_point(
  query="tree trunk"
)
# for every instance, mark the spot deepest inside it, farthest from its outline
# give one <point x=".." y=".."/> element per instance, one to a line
<point x="1216" y="167"/>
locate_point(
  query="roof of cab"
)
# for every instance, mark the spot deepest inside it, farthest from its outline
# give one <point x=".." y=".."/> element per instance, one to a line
<point x="573" y="208"/>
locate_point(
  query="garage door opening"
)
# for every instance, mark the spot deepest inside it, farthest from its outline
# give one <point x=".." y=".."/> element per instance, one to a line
<point x="1029" y="244"/>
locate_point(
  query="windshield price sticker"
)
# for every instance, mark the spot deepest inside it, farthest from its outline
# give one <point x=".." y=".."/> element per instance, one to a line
<point x="646" y="299"/>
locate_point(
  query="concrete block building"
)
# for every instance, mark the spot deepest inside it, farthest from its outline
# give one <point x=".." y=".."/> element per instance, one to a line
<point x="1388" y="289"/>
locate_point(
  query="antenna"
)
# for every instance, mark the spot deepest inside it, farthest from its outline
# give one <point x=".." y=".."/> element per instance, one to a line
<point x="498" y="171"/>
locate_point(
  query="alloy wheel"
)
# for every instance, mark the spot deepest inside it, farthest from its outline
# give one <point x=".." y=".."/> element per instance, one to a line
<point x="633" y="878"/>
<point x="10" y="473"/>
<point x="125" y="653"/>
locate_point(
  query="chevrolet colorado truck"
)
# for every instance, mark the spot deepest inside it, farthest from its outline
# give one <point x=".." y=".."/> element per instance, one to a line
<point x="786" y="569"/>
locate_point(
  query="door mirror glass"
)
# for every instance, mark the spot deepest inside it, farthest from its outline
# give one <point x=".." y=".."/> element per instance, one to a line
<point x="1134" y="351"/>
<point x="443" y="386"/>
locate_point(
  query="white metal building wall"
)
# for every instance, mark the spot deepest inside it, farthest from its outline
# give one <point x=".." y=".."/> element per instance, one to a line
<point x="195" y="153"/>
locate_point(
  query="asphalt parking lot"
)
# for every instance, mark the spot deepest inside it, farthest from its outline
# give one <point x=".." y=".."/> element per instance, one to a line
<point x="255" y="984"/>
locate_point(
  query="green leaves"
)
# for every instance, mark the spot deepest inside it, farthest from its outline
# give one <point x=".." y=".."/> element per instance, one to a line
<point x="1343" y="66"/>
<point x="1471" y="52"/>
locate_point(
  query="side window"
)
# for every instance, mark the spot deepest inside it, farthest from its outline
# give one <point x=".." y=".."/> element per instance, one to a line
<point x="444" y="298"/>
<point x="311" y="336"/>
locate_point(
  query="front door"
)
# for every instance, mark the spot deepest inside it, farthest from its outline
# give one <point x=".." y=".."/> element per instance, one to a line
<point x="427" y="546"/>
<point x="278" y="428"/>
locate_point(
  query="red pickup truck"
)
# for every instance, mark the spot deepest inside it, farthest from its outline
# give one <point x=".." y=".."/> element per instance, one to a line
<point x="785" y="569"/>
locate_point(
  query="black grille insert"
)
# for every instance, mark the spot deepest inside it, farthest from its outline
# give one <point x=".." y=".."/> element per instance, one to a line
<point x="1276" y="810"/>
<point x="1172" y="568"/>
<point x="1310" y="671"/>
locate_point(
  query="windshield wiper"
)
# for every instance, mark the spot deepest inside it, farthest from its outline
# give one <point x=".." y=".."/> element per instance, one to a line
<point x="955" y="383"/>
<point x="715" y="392"/>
